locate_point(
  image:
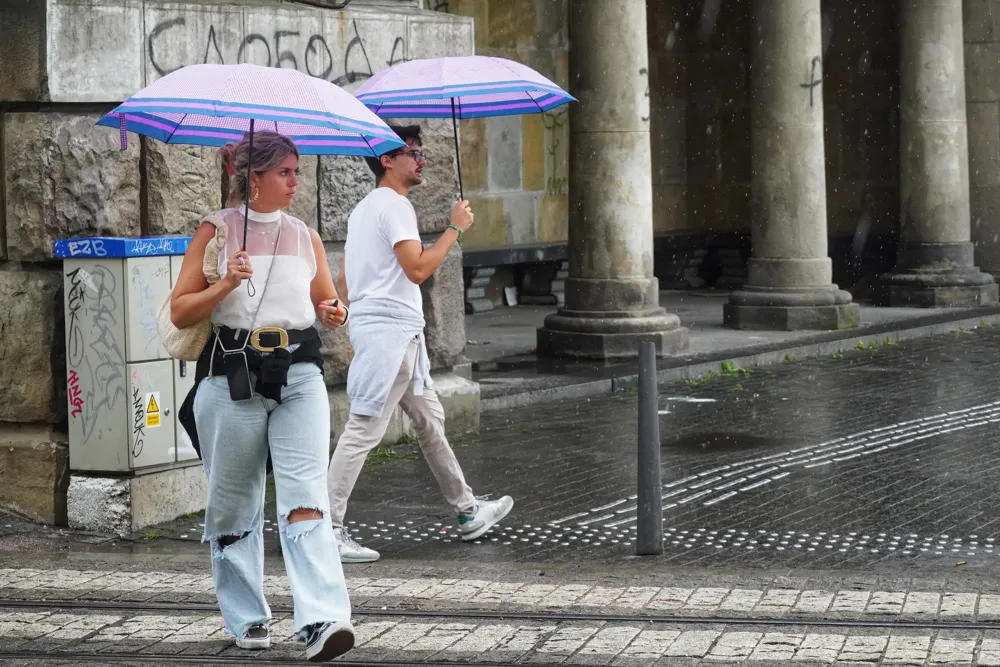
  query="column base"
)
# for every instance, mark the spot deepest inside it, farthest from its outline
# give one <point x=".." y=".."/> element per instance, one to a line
<point x="764" y="309"/>
<point x="612" y="335"/>
<point x="936" y="275"/>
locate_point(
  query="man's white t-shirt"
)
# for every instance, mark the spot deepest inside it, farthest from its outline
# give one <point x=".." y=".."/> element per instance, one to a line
<point x="375" y="226"/>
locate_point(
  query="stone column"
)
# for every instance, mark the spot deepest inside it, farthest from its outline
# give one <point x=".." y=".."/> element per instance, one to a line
<point x="789" y="276"/>
<point x="612" y="297"/>
<point x="934" y="265"/>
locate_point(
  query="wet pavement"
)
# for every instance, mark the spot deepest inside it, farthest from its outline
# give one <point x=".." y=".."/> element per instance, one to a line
<point x="879" y="457"/>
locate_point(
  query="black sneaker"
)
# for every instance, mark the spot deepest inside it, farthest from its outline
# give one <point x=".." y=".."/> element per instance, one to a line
<point x="257" y="638"/>
<point x="329" y="641"/>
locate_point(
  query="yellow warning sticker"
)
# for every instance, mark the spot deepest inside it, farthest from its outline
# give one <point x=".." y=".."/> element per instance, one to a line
<point x="152" y="409"/>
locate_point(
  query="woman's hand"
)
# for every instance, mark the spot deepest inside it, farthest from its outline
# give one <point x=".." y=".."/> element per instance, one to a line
<point x="331" y="313"/>
<point x="238" y="269"/>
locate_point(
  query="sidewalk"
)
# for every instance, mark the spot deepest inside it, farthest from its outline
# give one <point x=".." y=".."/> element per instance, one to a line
<point x="501" y="345"/>
<point x="878" y="459"/>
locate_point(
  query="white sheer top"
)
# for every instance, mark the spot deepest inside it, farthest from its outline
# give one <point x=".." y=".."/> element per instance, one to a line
<point x="287" y="273"/>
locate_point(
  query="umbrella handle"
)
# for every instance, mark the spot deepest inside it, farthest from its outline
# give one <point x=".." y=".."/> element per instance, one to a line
<point x="251" y="290"/>
<point x="458" y="157"/>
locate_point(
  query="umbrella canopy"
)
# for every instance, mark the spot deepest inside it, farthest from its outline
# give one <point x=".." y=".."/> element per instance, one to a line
<point x="475" y="86"/>
<point x="460" y="87"/>
<point x="211" y="105"/>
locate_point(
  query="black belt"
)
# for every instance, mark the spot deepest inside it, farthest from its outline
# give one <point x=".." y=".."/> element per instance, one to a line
<point x="265" y="340"/>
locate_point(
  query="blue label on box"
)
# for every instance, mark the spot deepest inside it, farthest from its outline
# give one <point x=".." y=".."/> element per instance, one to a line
<point x="111" y="246"/>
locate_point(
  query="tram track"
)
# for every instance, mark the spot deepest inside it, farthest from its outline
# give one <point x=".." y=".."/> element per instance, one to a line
<point x="526" y="616"/>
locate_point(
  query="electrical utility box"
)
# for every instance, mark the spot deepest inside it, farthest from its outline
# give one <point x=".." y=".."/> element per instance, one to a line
<point x="123" y="390"/>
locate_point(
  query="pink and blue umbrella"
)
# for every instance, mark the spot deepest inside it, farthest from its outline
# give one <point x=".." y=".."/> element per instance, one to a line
<point x="460" y="87"/>
<point x="212" y="105"/>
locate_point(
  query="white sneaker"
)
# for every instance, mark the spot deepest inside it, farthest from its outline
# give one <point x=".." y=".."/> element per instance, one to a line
<point x="256" y="638"/>
<point x="487" y="514"/>
<point x="351" y="551"/>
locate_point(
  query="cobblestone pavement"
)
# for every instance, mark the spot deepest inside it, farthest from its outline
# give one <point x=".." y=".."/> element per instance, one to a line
<point x="876" y="457"/>
<point x="573" y="642"/>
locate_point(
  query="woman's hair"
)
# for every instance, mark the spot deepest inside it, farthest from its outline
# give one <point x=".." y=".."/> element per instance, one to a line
<point x="269" y="150"/>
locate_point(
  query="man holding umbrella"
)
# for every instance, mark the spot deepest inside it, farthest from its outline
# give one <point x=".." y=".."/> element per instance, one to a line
<point x="384" y="264"/>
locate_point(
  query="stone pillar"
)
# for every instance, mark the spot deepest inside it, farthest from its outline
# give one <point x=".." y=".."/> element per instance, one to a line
<point x="612" y="297"/>
<point x="934" y="264"/>
<point x="789" y="276"/>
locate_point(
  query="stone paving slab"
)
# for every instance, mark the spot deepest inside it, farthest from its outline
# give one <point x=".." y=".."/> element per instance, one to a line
<point x="717" y="599"/>
<point x="471" y="641"/>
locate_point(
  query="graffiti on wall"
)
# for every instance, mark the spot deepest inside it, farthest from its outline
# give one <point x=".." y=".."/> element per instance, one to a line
<point x="331" y="53"/>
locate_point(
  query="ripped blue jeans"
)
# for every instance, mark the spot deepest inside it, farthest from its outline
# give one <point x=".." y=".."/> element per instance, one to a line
<point x="235" y="440"/>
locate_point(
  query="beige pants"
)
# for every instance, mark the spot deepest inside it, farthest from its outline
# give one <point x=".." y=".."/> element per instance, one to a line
<point x="362" y="434"/>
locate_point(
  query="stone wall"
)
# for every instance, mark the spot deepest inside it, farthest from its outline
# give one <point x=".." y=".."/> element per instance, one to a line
<point x="514" y="168"/>
<point x="982" y="89"/>
<point x="61" y="176"/>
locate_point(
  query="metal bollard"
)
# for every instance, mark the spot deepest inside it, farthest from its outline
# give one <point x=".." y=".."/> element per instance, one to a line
<point x="649" y="539"/>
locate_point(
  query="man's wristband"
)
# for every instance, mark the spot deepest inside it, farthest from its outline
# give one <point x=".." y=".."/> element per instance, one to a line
<point x="459" y="230"/>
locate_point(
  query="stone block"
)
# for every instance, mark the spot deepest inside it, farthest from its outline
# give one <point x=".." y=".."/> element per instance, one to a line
<point x="94" y="51"/>
<point x="553" y="219"/>
<point x="183" y="184"/>
<point x="475" y="158"/>
<point x="561" y="63"/>
<point x="337" y="350"/>
<point x="478" y="10"/>
<point x="34" y="473"/>
<point x="520" y="213"/>
<point x="436" y="196"/>
<point x="532" y="152"/>
<point x="669" y="208"/>
<point x="981" y="81"/>
<point x="444" y="312"/>
<point x="791" y="318"/>
<point x="286" y="37"/>
<point x="869" y="145"/>
<point x="490" y="228"/>
<point x="123" y="505"/>
<point x="431" y="37"/>
<point x="950" y="296"/>
<point x="978" y="24"/>
<point x="178" y="35"/>
<point x="984" y="143"/>
<point x="985" y="203"/>
<point x="513" y="24"/>
<point x="552" y="23"/>
<point x="343" y="182"/>
<point x="22" y="51"/>
<point x="503" y="137"/>
<point x="32" y="349"/>
<point x="667" y="133"/>
<point x="305" y="206"/>
<point x="556" y="152"/>
<point x="609" y="346"/>
<point x="65" y="177"/>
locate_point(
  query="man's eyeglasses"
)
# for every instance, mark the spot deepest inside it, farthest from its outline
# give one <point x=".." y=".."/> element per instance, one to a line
<point x="419" y="156"/>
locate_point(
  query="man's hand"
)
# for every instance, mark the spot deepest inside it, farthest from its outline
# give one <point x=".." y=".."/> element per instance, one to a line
<point x="461" y="215"/>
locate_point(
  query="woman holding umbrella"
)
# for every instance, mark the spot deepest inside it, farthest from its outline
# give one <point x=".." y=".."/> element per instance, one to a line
<point x="261" y="395"/>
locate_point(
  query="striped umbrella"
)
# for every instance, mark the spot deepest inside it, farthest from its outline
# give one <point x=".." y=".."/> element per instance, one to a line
<point x="212" y="105"/>
<point x="460" y="87"/>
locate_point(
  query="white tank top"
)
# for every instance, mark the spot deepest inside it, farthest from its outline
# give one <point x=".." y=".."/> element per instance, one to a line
<point x="285" y="302"/>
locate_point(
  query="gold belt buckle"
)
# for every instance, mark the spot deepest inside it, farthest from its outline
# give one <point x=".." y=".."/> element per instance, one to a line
<point x="255" y="338"/>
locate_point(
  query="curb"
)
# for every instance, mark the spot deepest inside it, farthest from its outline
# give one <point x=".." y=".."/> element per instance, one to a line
<point x="822" y="344"/>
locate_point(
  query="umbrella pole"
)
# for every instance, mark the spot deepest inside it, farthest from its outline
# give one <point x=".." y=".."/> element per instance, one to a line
<point x="458" y="157"/>
<point x="246" y="206"/>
